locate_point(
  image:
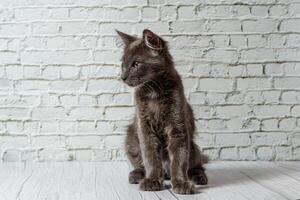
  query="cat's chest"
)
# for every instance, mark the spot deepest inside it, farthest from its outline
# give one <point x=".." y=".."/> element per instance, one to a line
<point x="152" y="110"/>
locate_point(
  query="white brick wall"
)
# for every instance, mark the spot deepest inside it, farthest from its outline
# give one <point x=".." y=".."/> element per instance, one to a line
<point x="61" y="98"/>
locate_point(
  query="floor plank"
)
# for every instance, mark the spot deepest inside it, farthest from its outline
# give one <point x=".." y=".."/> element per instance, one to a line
<point x="228" y="183"/>
<point x="267" y="175"/>
<point x="109" y="181"/>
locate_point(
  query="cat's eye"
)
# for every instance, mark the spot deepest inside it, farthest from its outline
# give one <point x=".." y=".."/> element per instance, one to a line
<point x="135" y="64"/>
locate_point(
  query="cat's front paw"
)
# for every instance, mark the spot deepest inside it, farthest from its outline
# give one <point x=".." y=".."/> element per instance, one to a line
<point x="136" y="175"/>
<point x="151" y="184"/>
<point x="183" y="187"/>
<point x="200" y="178"/>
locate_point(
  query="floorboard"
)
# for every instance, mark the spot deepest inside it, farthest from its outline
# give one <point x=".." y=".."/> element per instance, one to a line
<point x="109" y="181"/>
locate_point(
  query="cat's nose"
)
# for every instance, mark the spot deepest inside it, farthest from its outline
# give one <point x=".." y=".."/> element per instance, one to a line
<point x="123" y="77"/>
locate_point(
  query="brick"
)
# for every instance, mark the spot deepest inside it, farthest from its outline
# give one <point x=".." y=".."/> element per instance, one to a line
<point x="216" y="124"/>
<point x="68" y="100"/>
<point x="291" y="69"/>
<point x="220" y="55"/>
<point x="8" y="57"/>
<point x="14" y="127"/>
<point x="292" y="40"/>
<point x="48" y="113"/>
<point x="197" y="98"/>
<point x="67" y="127"/>
<point x="254" y="97"/>
<point x="270" y="138"/>
<point x="296" y="153"/>
<point x="253" y="83"/>
<point x="287" y="83"/>
<point x="246" y="153"/>
<point x="25" y="85"/>
<point x="266" y="110"/>
<point x="256" y="40"/>
<point x="276" y="40"/>
<point x="92" y="141"/>
<point x="49" y="100"/>
<point x="123" y="99"/>
<point x="104" y="85"/>
<point x="55" y="57"/>
<point x="104" y="127"/>
<point x="283" y="153"/>
<point x="100" y="71"/>
<point x="213" y="98"/>
<point x="119" y="113"/>
<point x="224" y="26"/>
<point x="149" y="14"/>
<point x="18" y="142"/>
<point x="232" y="140"/>
<point x="254" y="70"/>
<point x="125" y="14"/>
<point x="293" y="9"/>
<point x="115" y="141"/>
<point x="204" y="140"/>
<point x="86" y="113"/>
<point x="13" y="113"/>
<point x="211" y="84"/>
<point x="271" y="97"/>
<point x="48" y="141"/>
<point x="14" y="72"/>
<point x="288" y="55"/>
<point x="186" y="12"/>
<point x="168" y="13"/>
<point x="232" y="111"/>
<point x="87" y="100"/>
<point x="65" y="85"/>
<point x="11" y="155"/>
<point x="158" y="27"/>
<point x="295" y="110"/>
<point x="84" y="155"/>
<point x="30" y="127"/>
<point x="229" y="154"/>
<point x="186" y="27"/>
<point x="55" y="154"/>
<point x="265" y="153"/>
<point x="290" y="97"/>
<point x="274" y="69"/>
<point x="261" y="11"/>
<point x="269" y="125"/>
<point x="292" y="25"/>
<point x="279" y="10"/>
<point x="258" y="55"/>
<point x="48" y="127"/>
<point x="261" y="25"/>
<point x="107" y="57"/>
<point x="86" y="13"/>
<point x="14" y="30"/>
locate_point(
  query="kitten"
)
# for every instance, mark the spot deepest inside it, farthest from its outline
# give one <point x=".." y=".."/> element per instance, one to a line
<point x="159" y="142"/>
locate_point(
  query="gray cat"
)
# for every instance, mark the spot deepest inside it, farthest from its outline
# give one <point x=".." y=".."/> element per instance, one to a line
<point x="159" y="142"/>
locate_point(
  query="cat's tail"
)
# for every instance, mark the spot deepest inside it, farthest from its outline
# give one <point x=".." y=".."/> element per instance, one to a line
<point x="204" y="158"/>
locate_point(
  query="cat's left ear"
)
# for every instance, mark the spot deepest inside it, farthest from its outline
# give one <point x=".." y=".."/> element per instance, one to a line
<point x="127" y="39"/>
<point x="153" y="41"/>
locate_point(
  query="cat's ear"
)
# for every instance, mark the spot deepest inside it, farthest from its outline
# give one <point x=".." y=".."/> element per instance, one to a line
<point x="127" y="39"/>
<point x="153" y="41"/>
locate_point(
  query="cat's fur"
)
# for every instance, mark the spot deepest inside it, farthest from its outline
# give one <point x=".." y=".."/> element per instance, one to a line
<point x="159" y="142"/>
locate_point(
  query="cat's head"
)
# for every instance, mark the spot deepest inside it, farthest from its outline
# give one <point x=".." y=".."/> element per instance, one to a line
<point x="143" y="58"/>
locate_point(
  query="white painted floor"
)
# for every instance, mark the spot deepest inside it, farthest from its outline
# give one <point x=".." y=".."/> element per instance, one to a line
<point x="105" y="181"/>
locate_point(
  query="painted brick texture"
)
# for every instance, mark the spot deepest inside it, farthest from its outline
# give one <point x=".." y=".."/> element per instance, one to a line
<point x="61" y="98"/>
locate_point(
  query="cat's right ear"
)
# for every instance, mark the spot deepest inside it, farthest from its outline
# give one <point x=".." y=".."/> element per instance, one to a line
<point x="127" y="39"/>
